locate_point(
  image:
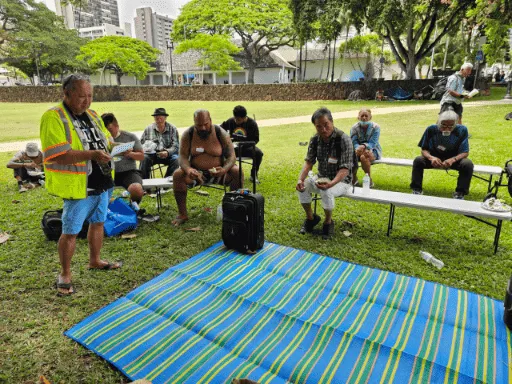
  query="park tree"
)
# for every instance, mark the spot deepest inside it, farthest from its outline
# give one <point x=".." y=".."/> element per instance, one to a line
<point x="411" y="28"/>
<point x="121" y="54"/>
<point x="216" y="52"/>
<point x="261" y="26"/>
<point x="39" y="45"/>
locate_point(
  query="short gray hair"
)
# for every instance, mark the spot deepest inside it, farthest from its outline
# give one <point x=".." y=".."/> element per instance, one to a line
<point x="466" y="65"/>
<point x="321" y="112"/>
<point x="70" y="81"/>
<point x="199" y="111"/>
<point x="447" y="116"/>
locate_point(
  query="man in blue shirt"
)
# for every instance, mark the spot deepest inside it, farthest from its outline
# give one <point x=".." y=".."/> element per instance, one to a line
<point x="444" y="146"/>
<point x="452" y="98"/>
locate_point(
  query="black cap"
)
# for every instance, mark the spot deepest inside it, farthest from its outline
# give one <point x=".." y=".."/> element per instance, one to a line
<point x="160" y="112"/>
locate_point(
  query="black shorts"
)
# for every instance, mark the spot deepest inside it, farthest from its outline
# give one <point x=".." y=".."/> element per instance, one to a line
<point x="127" y="178"/>
<point x="457" y="108"/>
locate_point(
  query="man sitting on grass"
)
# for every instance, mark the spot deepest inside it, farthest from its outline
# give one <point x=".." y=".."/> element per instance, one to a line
<point x="206" y="156"/>
<point x="333" y="150"/>
<point x="28" y="167"/>
<point x="444" y="145"/>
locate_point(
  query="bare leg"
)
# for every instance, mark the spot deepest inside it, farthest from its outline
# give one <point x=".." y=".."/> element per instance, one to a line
<point x="328" y="217"/>
<point x="308" y="210"/>
<point x="66" y="248"/>
<point x="180" y="195"/>
<point x="95" y="238"/>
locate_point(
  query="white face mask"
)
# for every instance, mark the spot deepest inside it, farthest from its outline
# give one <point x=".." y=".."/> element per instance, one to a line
<point x="445" y="133"/>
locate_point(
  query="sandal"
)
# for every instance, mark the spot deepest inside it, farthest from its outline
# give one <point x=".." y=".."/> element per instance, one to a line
<point x="67" y="286"/>
<point x="178" y="221"/>
<point x="308" y="225"/>
<point x="109" y="266"/>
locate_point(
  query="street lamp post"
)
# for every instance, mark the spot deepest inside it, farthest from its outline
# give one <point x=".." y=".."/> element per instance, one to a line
<point x="170" y="47"/>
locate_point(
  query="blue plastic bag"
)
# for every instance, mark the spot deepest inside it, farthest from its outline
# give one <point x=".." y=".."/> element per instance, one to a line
<point x="120" y="218"/>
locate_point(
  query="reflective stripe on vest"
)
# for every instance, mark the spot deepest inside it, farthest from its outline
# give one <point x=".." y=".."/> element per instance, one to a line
<point x="65" y="120"/>
<point x="80" y="168"/>
<point x="56" y="150"/>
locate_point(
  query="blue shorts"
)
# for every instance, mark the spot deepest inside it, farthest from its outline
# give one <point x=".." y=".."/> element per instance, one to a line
<point x="76" y="212"/>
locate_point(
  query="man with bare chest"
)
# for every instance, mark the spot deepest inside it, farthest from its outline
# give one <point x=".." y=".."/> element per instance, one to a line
<point x="207" y="155"/>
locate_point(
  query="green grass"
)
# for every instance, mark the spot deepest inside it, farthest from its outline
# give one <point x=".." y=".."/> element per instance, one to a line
<point x="32" y="318"/>
<point x="20" y="121"/>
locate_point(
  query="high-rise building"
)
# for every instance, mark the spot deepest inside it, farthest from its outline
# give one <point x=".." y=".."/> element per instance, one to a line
<point x="93" y="13"/>
<point x="153" y="28"/>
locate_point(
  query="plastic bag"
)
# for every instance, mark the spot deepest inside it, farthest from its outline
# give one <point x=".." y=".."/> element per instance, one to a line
<point x="120" y="218"/>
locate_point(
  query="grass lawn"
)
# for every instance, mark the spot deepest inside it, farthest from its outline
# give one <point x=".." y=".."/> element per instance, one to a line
<point x="20" y="121"/>
<point x="32" y="318"/>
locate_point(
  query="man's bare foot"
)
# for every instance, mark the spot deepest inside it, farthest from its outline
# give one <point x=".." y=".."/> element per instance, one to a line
<point x="178" y="220"/>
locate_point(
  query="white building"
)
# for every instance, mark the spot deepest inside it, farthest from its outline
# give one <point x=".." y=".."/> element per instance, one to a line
<point x="153" y="28"/>
<point x="92" y="14"/>
<point x="92" y="33"/>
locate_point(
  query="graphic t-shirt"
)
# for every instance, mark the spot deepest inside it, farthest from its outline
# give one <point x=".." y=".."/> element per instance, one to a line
<point x="247" y="131"/>
<point x="97" y="180"/>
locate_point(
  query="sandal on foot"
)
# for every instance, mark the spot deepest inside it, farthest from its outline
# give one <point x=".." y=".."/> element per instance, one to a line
<point x="178" y="221"/>
<point x="109" y="266"/>
<point x="67" y="286"/>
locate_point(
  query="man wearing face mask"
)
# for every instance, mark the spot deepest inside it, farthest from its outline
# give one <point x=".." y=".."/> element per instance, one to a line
<point x="444" y="146"/>
<point x="206" y="155"/>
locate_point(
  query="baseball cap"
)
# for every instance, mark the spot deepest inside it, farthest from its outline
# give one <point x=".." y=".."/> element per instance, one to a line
<point x="32" y="149"/>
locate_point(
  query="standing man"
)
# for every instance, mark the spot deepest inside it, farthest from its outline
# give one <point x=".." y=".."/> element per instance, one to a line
<point x="161" y="144"/>
<point x="23" y="163"/>
<point x="452" y="98"/>
<point x="444" y="145"/>
<point x="206" y="156"/>
<point x="242" y="128"/>
<point x="75" y="144"/>
<point x="333" y="150"/>
<point x="127" y="175"/>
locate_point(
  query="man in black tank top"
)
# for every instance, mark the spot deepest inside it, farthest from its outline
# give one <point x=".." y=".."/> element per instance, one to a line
<point x="207" y="155"/>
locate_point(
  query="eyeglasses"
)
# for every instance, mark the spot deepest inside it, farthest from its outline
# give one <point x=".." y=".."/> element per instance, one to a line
<point x="447" y="125"/>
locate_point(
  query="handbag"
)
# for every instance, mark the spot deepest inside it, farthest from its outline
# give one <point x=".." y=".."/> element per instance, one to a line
<point x="120" y="218"/>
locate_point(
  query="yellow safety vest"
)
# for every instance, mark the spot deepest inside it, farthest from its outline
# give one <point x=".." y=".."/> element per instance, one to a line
<point x="58" y="135"/>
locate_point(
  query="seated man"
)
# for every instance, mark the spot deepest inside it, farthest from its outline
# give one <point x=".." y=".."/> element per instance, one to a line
<point x="204" y="148"/>
<point x="161" y="144"/>
<point x="333" y="150"/>
<point x="242" y="128"/>
<point x="126" y="173"/>
<point x="444" y="145"/>
<point x="28" y="167"/>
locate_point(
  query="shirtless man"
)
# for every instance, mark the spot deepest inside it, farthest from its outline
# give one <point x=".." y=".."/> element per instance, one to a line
<point x="207" y="155"/>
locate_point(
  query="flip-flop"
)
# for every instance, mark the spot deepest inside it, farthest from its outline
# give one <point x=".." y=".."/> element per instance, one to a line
<point x="69" y="286"/>
<point x="178" y="221"/>
<point x="109" y="266"/>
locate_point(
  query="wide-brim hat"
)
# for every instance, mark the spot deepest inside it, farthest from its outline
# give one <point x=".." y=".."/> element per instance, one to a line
<point x="160" y="112"/>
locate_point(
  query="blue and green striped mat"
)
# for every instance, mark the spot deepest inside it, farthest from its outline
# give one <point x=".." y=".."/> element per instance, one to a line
<point x="286" y="315"/>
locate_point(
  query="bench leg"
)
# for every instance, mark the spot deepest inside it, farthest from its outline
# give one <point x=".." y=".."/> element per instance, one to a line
<point x="158" y="199"/>
<point x="497" y="236"/>
<point x="315" y="199"/>
<point x="391" y="218"/>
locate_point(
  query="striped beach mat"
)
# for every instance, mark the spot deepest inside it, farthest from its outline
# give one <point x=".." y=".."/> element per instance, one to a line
<point x="285" y="315"/>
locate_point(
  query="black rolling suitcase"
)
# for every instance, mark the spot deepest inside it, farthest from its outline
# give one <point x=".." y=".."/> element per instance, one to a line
<point x="243" y="221"/>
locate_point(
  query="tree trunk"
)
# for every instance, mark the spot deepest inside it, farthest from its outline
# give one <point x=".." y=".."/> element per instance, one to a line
<point x="118" y="77"/>
<point x="299" y="77"/>
<point x="328" y="62"/>
<point x="333" y="59"/>
<point x="305" y="62"/>
<point x="252" y="69"/>
<point x="410" y="68"/>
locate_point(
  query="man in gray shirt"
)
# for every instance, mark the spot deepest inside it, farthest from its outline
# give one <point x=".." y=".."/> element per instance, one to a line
<point x="127" y="175"/>
<point x="452" y="98"/>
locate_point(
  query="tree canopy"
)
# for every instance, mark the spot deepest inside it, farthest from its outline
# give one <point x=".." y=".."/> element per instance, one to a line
<point x="121" y="54"/>
<point x="408" y="26"/>
<point x="34" y="40"/>
<point x="216" y="52"/>
<point x="260" y="26"/>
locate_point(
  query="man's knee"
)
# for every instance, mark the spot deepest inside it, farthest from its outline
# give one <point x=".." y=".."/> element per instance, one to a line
<point x="466" y="165"/>
<point x="178" y="180"/>
<point x="419" y="162"/>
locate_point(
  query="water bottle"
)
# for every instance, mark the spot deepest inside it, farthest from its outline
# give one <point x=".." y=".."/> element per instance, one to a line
<point x="311" y="175"/>
<point x="366" y="182"/>
<point x="507" y="315"/>
<point x="431" y="259"/>
<point x="219" y="212"/>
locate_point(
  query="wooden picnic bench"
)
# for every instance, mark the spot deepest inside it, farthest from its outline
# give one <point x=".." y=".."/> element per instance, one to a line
<point x="471" y="209"/>
<point x="478" y="170"/>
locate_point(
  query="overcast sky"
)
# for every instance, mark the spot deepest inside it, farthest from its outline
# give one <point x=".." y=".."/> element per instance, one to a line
<point x="127" y="7"/>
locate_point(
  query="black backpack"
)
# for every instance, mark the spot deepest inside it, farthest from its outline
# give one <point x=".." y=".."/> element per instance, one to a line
<point x="439" y="88"/>
<point x="52" y="225"/>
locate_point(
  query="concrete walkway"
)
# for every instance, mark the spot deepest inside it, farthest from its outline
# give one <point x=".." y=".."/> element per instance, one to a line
<point x="376" y="111"/>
